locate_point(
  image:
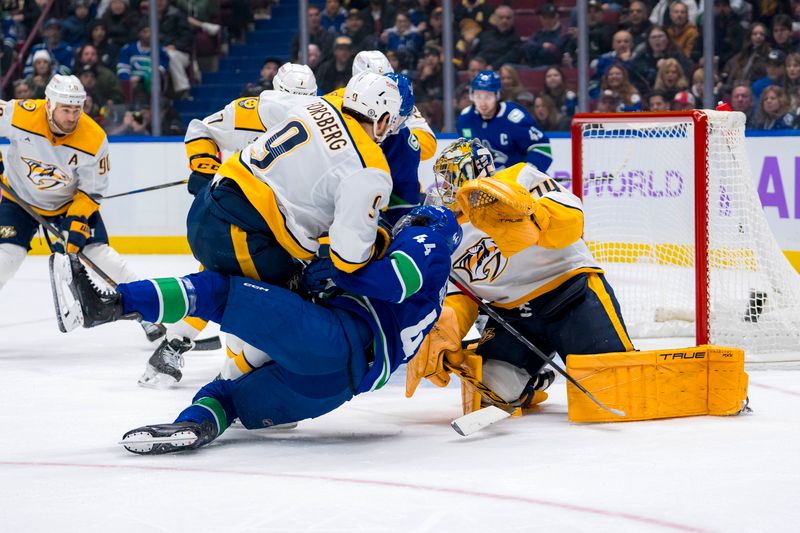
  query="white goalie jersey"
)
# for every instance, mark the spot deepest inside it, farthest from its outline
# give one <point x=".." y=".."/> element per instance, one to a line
<point x="47" y="170"/>
<point x="509" y="282"/>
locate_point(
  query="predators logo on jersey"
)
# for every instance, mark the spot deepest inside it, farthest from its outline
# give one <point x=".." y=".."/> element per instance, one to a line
<point x="482" y="261"/>
<point x="248" y="103"/>
<point x="46" y="177"/>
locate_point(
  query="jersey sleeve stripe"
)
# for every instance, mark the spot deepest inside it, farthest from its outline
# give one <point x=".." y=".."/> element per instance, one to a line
<point x="407" y="272"/>
<point x="344" y="265"/>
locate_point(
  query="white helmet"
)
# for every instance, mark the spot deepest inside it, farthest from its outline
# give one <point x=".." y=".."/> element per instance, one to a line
<point x="371" y="61"/>
<point x="295" y="79"/>
<point x="66" y="90"/>
<point x="373" y="96"/>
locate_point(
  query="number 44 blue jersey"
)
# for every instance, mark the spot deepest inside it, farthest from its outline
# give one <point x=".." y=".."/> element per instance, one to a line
<point x="512" y="136"/>
<point x="400" y="296"/>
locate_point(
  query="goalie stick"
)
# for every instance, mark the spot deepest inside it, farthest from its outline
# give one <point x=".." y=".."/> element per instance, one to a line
<point x="497" y="410"/>
<point x="532" y="347"/>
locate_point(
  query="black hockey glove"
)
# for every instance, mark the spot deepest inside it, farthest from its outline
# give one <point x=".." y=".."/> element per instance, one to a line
<point x="317" y="276"/>
<point x="75" y="230"/>
<point x="198" y="180"/>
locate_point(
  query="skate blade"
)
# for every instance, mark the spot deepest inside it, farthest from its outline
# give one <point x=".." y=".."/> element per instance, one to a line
<point x="144" y="443"/>
<point x="152" y="379"/>
<point x="69" y="314"/>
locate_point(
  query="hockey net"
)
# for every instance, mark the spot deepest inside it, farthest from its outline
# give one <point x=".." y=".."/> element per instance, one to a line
<point x="673" y="216"/>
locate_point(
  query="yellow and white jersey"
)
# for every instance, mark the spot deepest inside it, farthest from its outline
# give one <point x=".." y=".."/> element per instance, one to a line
<point x="240" y="123"/>
<point x="316" y="172"/>
<point x="47" y="170"/>
<point x="509" y="282"/>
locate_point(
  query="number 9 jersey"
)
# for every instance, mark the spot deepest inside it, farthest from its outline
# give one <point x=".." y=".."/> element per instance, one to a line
<point x="316" y="172"/>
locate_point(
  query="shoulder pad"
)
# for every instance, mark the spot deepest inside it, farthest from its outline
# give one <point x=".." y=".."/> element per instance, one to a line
<point x="516" y="115"/>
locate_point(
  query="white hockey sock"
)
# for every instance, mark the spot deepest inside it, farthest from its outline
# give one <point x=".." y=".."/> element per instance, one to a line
<point x="110" y="262"/>
<point x="11" y="258"/>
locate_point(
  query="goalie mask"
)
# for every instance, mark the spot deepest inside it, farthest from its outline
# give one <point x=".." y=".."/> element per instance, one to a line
<point x="436" y="218"/>
<point x="462" y="161"/>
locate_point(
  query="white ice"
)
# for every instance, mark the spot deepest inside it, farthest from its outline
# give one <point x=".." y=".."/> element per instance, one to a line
<point x="380" y="463"/>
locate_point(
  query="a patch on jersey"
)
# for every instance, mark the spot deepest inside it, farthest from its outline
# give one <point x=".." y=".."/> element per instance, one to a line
<point x="248" y="103"/>
<point x="482" y="261"/>
<point x="466" y="132"/>
<point x="488" y="334"/>
<point x="27" y="105"/>
<point x="6" y="232"/>
<point x="46" y="177"/>
<point x="516" y="115"/>
<point x="413" y="142"/>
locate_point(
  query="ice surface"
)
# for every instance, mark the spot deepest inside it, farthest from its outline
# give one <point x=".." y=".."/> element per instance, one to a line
<point x="380" y="463"/>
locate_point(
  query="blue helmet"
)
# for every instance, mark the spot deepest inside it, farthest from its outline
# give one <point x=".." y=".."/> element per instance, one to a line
<point x="436" y="218"/>
<point x="406" y="100"/>
<point x="486" y="80"/>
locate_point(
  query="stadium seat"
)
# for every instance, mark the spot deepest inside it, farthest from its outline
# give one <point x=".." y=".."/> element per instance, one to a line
<point x="532" y="78"/>
<point x="526" y="22"/>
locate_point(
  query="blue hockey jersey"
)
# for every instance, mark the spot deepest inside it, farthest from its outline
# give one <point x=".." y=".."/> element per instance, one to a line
<point x="512" y="136"/>
<point x="401" y="298"/>
<point x="403" y="155"/>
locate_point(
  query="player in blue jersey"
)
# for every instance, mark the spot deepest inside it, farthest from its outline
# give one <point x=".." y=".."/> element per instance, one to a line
<point x="506" y="128"/>
<point x="321" y="355"/>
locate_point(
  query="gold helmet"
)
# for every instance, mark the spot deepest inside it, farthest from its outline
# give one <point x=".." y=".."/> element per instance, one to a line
<point x="460" y="162"/>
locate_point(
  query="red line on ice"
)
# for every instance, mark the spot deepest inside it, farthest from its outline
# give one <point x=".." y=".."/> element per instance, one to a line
<point x="393" y="484"/>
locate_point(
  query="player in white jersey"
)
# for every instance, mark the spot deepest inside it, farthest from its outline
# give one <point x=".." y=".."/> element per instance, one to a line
<point x="536" y="272"/>
<point x="58" y="164"/>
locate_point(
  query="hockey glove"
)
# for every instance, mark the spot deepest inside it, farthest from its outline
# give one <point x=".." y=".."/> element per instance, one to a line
<point x="198" y="180"/>
<point x="317" y="276"/>
<point x="383" y="238"/>
<point x="75" y="224"/>
<point x="443" y="343"/>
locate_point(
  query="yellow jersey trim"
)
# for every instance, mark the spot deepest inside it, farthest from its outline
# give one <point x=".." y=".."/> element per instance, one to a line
<point x="346" y="266"/>
<point x="240" y="248"/>
<point x="597" y="287"/>
<point x="88" y="137"/>
<point x="427" y="144"/>
<point x="547" y="287"/>
<point x="369" y="151"/>
<point x="245" y="114"/>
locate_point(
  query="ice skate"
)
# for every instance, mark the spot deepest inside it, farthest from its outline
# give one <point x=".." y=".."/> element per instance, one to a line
<point x="166" y="438"/>
<point x="154" y="332"/>
<point x="164" y="366"/>
<point x="78" y="301"/>
<point x="534" y="392"/>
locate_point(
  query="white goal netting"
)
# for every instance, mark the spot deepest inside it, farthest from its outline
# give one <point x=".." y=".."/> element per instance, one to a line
<point x="638" y="189"/>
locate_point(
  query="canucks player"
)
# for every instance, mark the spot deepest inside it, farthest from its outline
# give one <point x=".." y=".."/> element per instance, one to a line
<point x="321" y="354"/>
<point x="537" y="273"/>
<point x="506" y="128"/>
<point x="58" y="163"/>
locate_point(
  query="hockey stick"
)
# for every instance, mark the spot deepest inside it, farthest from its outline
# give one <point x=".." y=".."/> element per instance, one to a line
<point x="528" y="344"/>
<point x="497" y="410"/>
<point x="137" y="191"/>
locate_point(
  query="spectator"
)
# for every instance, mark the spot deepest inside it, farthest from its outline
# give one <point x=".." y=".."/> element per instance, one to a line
<point x="403" y="40"/>
<point x="134" y="68"/>
<point x="75" y="27"/>
<point x="41" y="72"/>
<point x="548" y="116"/>
<point x="359" y="33"/>
<point x="61" y="54"/>
<point x="433" y="28"/>
<point x="428" y="86"/>
<point x="782" y="38"/>
<point x="378" y="16"/>
<point x="742" y="101"/>
<point x="175" y="35"/>
<point x="98" y="37"/>
<point x="774" y="111"/>
<point x="468" y="31"/>
<point x="314" y="57"/>
<point x="334" y="16"/>
<point x="670" y="78"/>
<point x="683" y="101"/>
<point x="336" y="72"/>
<point x="728" y="33"/>
<point x="622" y="53"/>
<point x="682" y="32"/>
<point x="476" y="64"/>
<point x="544" y="47"/>
<point x="264" y="83"/>
<point x="776" y="72"/>
<point x="108" y="87"/>
<point x="121" y="23"/>
<point x="22" y="91"/>
<point x="638" y="23"/>
<point x="660" y="15"/>
<point x="616" y="81"/>
<point x="316" y="35"/>
<point x="750" y="62"/>
<point x="500" y="43"/>
<point x="792" y="80"/>
<point x="607" y="103"/>
<point x="93" y="109"/>
<point x="657" y="101"/>
<point x="420" y="12"/>
<point x="393" y="61"/>
<point x="556" y="88"/>
<point x="511" y="87"/>
<point x="7" y="55"/>
<point x="645" y="64"/>
<point x="765" y="10"/>
<point x="477" y="10"/>
<point x="698" y="87"/>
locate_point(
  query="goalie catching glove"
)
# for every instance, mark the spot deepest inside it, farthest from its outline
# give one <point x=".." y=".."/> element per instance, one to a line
<point x="504" y="210"/>
<point x="442" y="343"/>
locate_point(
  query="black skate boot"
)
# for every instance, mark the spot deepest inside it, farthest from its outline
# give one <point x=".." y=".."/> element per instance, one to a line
<point x="153" y="331"/>
<point x="164" y="366"/>
<point x="166" y="438"/>
<point x="533" y="393"/>
<point x="77" y="299"/>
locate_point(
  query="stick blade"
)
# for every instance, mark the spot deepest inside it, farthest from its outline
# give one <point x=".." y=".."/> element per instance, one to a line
<point x="477" y="420"/>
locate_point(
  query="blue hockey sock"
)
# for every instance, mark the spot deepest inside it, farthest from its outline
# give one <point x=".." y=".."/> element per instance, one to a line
<point x="169" y="300"/>
<point x="205" y="409"/>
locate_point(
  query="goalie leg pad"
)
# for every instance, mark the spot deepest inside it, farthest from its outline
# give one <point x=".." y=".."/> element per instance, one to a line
<point x="701" y="380"/>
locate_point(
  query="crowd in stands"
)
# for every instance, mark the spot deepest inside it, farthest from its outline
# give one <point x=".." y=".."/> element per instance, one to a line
<point x="645" y="54"/>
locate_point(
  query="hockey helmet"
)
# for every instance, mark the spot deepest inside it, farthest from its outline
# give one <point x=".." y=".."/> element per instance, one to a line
<point x="371" y="61"/>
<point x="66" y="90"/>
<point x="461" y="161"/>
<point x="295" y="79"/>
<point x="406" y="99"/>
<point x="486" y="80"/>
<point x="435" y="217"/>
<point x="372" y="96"/>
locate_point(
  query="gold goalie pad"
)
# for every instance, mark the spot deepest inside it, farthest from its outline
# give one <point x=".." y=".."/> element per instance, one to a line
<point x="703" y="380"/>
<point x="501" y="209"/>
